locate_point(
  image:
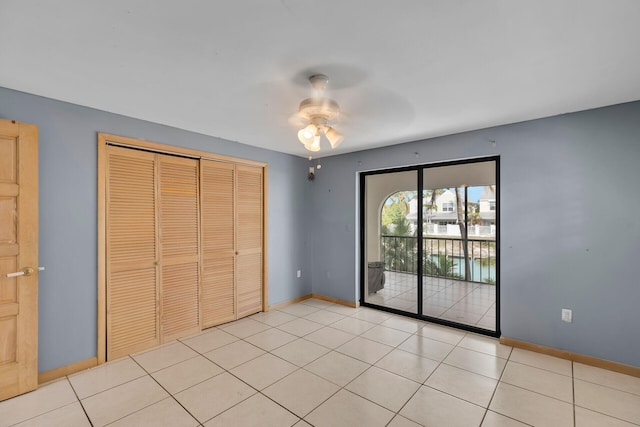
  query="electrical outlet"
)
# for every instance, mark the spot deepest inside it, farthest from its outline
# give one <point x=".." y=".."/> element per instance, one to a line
<point x="567" y="315"/>
<point x="299" y="274"/>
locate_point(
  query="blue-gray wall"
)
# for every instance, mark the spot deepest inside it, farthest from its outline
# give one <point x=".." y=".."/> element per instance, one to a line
<point x="570" y="233"/>
<point x="68" y="215"/>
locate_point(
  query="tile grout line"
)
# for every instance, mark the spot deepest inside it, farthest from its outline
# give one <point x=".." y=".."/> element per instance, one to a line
<point x="593" y="410"/>
<point x="542" y="369"/>
<point x="423" y="384"/>
<point x="167" y="391"/>
<point x="609" y="387"/>
<point x="440" y="363"/>
<point x="316" y="407"/>
<point x="573" y="391"/>
<point x="496" y="388"/>
<point x="79" y="400"/>
<point x="66" y="377"/>
<point x="340" y="388"/>
<point x="243" y="400"/>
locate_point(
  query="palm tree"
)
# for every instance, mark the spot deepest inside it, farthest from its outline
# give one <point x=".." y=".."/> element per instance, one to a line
<point x="463" y="232"/>
<point x="399" y="252"/>
<point x="443" y="267"/>
<point x="394" y="219"/>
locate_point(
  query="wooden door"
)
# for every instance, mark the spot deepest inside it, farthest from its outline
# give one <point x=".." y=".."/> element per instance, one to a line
<point x="179" y="233"/>
<point x="249" y="239"/>
<point x="132" y="257"/>
<point x="18" y="250"/>
<point x="217" y="295"/>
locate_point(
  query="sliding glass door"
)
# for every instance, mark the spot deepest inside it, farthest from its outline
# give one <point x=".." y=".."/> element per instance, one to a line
<point x="429" y="242"/>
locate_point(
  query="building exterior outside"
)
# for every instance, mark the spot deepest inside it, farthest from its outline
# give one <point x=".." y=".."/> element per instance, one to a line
<point x="442" y="218"/>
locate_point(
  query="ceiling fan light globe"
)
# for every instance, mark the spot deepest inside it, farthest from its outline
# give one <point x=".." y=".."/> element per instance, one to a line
<point x="315" y="144"/>
<point x="314" y="147"/>
<point x="301" y="137"/>
<point x="307" y="134"/>
<point x="310" y="131"/>
<point x="335" y="138"/>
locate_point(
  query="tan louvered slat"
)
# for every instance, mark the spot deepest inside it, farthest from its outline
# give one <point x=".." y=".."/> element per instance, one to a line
<point x="179" y="246"/>
<point x="179" y="300"/>
<point x="131" y="252"/>
<point x="249" y="239"/>
<point x="131" y="205"/>
<point x="217" y="299"/>
<point x="217" y="295"/>
<point x="249" y="284"/>
<point x="249" y="205"/>
<point x="217" y="187"/>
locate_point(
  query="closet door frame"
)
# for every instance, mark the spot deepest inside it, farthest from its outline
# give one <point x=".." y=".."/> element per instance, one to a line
<point x="105" y="139"/>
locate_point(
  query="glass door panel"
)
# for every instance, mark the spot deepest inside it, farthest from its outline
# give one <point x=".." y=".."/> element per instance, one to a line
<point x="390" y="252"/>
<point x="459" y="244"/>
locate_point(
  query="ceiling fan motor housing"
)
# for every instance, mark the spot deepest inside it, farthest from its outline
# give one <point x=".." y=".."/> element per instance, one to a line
<point x="323" y="108"/>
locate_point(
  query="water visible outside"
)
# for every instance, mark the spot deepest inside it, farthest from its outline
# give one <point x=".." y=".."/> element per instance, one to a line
<point x="480" y="271"/>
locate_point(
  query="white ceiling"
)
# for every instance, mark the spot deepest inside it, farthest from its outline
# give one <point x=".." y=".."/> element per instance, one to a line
<point x="401" y="70"/>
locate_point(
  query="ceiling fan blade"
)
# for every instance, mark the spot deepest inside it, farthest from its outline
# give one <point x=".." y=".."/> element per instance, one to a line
<point x="341" y="76"/>
<point x="298" y="120"/>
<point x="377" y="105"/>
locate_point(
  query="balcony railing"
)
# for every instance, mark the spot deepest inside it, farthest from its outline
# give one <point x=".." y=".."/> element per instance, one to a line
<point x="432" y="229"/>
<point x="442" y="257"/>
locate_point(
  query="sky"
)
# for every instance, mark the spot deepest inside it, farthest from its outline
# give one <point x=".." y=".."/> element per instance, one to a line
<point x="474" y="193"/>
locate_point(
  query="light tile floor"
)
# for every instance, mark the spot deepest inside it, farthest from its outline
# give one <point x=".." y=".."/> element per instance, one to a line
<point x="321" y="364"/>
<point x="470" y="303"/>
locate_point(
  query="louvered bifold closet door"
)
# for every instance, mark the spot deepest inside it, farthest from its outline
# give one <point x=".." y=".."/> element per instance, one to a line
<point x="249" y="222"/>
<point x="217" y="294"/>
<point x="179" y="246"/>
<point x="132" y="322"/>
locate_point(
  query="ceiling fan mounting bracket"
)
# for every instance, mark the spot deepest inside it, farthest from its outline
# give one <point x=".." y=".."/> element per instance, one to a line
<point x="319" y="82"/>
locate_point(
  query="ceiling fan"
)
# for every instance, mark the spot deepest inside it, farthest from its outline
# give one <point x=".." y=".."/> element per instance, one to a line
<point x="316" y="114"/>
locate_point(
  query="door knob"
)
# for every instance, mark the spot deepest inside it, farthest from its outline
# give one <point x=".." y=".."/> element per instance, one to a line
<point x="27" y="271"/>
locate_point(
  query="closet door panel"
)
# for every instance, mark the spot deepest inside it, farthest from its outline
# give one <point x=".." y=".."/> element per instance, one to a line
<point x="249" y="239"/>
<point x="179" y="246"/>
<point x="217" y="296"/>
<point x="132" y="323"/>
